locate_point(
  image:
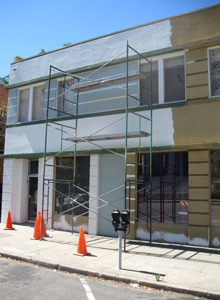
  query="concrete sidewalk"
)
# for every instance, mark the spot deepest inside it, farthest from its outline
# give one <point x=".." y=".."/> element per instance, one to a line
<point x="171" y="267"/>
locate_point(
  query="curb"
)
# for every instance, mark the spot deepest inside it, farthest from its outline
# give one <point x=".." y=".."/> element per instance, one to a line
<point x="111" y="277"/>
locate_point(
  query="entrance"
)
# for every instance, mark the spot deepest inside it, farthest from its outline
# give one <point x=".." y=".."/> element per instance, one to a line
<point x="33" y="190"/>
<point x="169" y="202"/>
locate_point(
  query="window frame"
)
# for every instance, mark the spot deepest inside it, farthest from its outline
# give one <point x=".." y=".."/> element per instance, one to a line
<point x="31" y="102"/>
<point x="161" y="75"/>
<point x="60" y="80"/>
<point x="209" y="70"/>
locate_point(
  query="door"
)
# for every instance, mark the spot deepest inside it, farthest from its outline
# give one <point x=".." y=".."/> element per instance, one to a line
<point x="33" y="190"/>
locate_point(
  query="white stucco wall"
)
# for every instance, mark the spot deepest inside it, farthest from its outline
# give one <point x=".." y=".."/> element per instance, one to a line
<point x="31" y="138"/>
<point x="15" y="190"/>
<point x="94" y="193"/>
<point x="146" y="38"/>
<point x="6" y="189"/>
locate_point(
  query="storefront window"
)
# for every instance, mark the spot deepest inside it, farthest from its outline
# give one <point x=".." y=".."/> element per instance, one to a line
<point x="169" y="188"/>
<point x="72" y="197"/>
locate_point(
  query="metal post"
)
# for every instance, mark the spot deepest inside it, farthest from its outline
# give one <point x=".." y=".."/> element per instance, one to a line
<point x="151" y="140"/>
<point x="126" y="137"/>
<point x="119" y="248"/>
<point x="45" y="152"/>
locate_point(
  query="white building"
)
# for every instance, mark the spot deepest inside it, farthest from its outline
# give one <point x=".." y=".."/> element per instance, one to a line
<point x="88" y="86"/>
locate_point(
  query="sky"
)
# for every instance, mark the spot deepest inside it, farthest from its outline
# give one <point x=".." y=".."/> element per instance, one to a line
<point x="27" y="26"/>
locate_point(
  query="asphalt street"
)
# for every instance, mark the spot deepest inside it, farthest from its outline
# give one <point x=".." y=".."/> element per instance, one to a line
<point x="24" y="281"/>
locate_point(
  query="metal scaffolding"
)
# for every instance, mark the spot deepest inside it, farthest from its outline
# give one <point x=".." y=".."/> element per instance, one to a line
<point x="62" y="107"/>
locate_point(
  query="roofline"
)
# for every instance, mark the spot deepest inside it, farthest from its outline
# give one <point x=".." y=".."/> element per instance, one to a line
<point x="116" y="32"/>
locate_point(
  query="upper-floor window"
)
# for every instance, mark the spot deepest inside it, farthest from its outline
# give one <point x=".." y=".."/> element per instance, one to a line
<point x="23" y="105"/>
<point x="168" y="80"/>
<point x="38" y="103"/>
<point x="146" y="84"/>
<point x="31" y="104"/>
<point x="65" y="98"/>
<point x="214" y="71"/>
<point x="174" y="78"/>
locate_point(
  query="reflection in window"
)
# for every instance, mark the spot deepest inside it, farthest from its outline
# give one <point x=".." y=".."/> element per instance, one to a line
<point x="23" y="105"/>
<point x="214" y="60"/>
<point x="174" y="79"/>
<point x="69" y="198"/>
<point x="215" y="188"/>
<point x="169" y="187"/>
<point x="66" y="98"/>
<point x="33" y="167"/>
<point x="38" y="102"/>
<point x="146" y="83"/>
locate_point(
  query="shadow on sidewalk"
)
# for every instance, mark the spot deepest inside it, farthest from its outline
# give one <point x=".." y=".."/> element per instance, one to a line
<point x="183" y="248"/>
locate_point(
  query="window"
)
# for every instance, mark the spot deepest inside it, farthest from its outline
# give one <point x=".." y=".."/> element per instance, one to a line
<point x="23" y="105"/>
<point x="38" y="103"/>
<point x="215" y="188"/>
<point x="145" y="83"/>
<point x="214" y="68"/>
<point x="174" y="79"/>
<point x="69" y="198"/>
<point x="168" y="80"/>
<point x="169" y="187"/>
<point x="65" y="100"/>
<point x="31" y="104"/>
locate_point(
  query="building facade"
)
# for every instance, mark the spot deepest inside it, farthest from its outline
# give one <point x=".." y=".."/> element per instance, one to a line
<point x="3" y="114"/>
<point x="85" y="123"/>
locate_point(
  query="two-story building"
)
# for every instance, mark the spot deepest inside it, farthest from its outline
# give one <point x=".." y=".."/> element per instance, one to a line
<point x="126" y="120"/>
<point x="3" y="113"/>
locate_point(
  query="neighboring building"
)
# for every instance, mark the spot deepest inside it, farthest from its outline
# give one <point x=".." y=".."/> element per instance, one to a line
<point x="182" y="205"/>
<point x="3" y="114"/>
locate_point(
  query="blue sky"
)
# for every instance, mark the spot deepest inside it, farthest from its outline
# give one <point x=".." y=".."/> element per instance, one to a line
<point x="27" y="26"/>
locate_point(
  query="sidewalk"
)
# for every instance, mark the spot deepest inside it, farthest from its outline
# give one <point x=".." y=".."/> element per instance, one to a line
<point x="186" y="269"/>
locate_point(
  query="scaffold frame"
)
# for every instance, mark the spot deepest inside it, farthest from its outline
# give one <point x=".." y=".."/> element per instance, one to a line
<point x="86" y="83"/>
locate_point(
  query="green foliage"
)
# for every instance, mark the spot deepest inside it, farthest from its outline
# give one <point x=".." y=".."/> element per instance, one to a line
<point x="67" y="44"/>
<point x="42" y="51"/>
<point x="4" y="80"/>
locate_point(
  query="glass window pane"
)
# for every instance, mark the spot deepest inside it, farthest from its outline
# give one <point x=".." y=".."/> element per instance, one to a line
<point x="174" y="79"/>
<point x="24" y="105"/>
<point x="215" y="188"/>
<point x="214" y="60"/>
<point x="169" y="188"/>
<point x="33" y="167"/>
<point x="69" y="198"/>
<point x="66" y="98"/>
<point x="38" y="103"/>
<point x="145" y="83"/>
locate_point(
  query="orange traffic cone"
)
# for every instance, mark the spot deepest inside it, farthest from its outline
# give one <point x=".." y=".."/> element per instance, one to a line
<point x="160" y="218"/>
<point x="44" y="233"/>
<point x="36" y="235"/>
<point x="81" y="249"/>
<point x="9" y="223"/>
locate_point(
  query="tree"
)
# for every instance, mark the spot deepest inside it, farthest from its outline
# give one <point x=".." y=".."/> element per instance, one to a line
<point x="4" y="80"/>
<point x="42" y="51"/>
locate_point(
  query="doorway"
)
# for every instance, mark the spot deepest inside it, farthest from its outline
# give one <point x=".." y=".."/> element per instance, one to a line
<point x="33" y="189"/>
